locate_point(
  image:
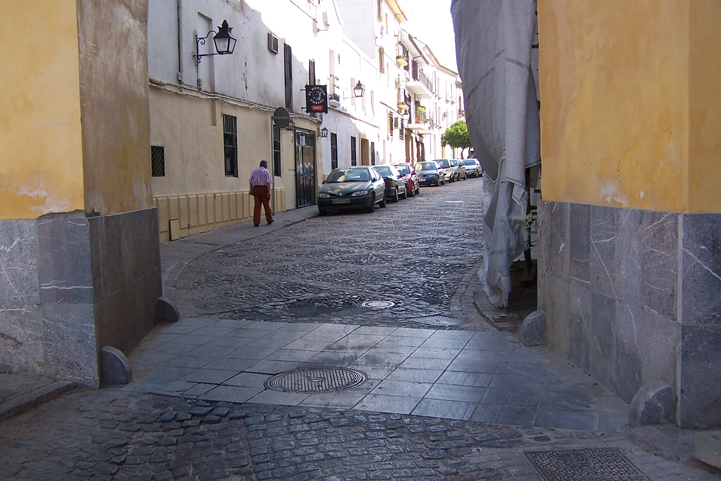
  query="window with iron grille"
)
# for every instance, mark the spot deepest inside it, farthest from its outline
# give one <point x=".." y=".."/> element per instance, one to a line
<point x="402" y="131"/>
<point x="333" y="151"/>
<point x="381" y="60"/>
<point x="390" y="123"/>
<point x="157" y="161"/>
<point x="352" y="151"/>
<point x="373" y="153"/>
<point x="311" y="72"/>
<point x="230" y="145"/>
<point x="276" y="152"/>
<point x="288" y="74"/>
<point x="380" y="9"/>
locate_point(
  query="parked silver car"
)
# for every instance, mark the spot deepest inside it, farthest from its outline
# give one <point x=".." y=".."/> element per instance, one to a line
<point x="459" y="169"/>
<point x="448" y="174"/>
<point x="473" y="167"/>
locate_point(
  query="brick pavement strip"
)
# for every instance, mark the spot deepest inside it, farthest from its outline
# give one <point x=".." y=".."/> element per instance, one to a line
<point x="80" y="436"/>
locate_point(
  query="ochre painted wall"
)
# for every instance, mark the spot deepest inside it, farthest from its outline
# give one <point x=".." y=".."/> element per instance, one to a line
<point x="112" y="39"/>
<point x="705" y="104"/>
<point x="41" y="168"/>
<point x="615" y="107"/>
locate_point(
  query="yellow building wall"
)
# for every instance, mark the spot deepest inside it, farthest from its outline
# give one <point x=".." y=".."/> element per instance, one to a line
<point x="616" y="115"/>
<point x="195" y="195"/>
<point x="41" y="165"/>
<point x="705" y="106"/>
<point x="114" y="101"/>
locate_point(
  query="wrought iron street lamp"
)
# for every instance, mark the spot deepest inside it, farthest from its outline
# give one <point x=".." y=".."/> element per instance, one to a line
<point x="224" y="42"/>
<point x="358" y="90"/>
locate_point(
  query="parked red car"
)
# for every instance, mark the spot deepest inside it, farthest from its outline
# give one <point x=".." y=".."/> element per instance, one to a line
<point x="410" y="178"/>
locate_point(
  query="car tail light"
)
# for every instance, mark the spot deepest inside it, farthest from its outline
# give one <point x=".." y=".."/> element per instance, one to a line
<point x="388" y="182"/>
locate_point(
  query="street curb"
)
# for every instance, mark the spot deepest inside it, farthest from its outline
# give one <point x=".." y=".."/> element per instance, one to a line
<point x="28" y="400"/>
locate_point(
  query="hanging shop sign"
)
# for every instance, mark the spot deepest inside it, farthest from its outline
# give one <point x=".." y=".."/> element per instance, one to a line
<point x="316" y="99"/>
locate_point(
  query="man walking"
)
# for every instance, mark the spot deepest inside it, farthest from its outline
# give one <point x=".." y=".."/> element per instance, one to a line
<point x="260" y="180"/>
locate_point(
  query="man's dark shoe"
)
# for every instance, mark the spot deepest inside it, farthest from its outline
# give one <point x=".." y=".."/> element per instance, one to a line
<point x="257" y="225"/>
<point x="271" y="221"/>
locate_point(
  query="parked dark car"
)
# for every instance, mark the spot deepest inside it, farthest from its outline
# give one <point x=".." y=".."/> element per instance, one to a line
<point x="430" y="172"/>
<point x="459" y="170"/>
<point x="395" y="186"/>
<point x="410" y="177"/>
<point x="473" y="167"/>
<point x="448" y="174"/>
<point x="352" y="188"/>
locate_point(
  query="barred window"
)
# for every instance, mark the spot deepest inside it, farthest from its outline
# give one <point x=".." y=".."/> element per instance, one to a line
<point x="373" y="153"/>
<point x="333" y="151"/>
<point x="276" y="152"/>
<point x="352" y="151"/>
<point x="381" y="60"/>
<point x="157" y="161"/>
<point x="230" y="145"/>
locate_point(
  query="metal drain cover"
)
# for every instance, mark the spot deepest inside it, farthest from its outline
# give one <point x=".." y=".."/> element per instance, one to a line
<point x="378" y="304"/>
<point x="440" y="321"/>
<point x="317" y="380"/>
<point x="592" y="464"/>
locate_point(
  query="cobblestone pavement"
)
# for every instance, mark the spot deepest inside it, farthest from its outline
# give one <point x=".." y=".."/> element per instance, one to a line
<point x="421" y="255"/>
<point x="414" y="254"/>
<point x="111" y="434"/>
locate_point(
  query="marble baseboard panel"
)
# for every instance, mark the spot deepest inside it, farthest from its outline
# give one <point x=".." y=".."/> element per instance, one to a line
<point x="46" y="298"/>
<point x="617" y="307"/>
<point x="126" y="276"/>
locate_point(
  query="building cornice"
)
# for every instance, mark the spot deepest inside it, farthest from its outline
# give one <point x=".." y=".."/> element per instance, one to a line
<point x="397" y="11"/>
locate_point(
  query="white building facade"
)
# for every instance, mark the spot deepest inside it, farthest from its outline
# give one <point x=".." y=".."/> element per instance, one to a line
<point x="212" y="115"/>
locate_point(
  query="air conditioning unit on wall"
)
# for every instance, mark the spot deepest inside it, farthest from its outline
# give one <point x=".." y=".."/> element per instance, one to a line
<point x="272" y="43"/>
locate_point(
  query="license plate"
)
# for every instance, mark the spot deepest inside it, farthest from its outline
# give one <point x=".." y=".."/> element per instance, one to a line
<point x="340" y="201"/>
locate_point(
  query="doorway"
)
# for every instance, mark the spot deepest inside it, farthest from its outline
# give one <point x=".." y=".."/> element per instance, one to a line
<point x="304" y="168"/>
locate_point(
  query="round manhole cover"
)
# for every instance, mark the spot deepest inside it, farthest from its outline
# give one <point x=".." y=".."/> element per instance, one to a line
<point x="378" y="304"/>
<point x="317" y="380"/>
<point x="440" y="321"/>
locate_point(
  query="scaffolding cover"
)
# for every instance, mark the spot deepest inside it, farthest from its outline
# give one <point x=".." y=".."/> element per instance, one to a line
<point x="494" y="39"/>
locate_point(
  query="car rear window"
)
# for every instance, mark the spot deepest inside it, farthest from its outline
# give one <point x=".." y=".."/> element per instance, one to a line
<point x="404" y="169"/>
<point x="384" y="170"/>
<point x="428" y="166"/>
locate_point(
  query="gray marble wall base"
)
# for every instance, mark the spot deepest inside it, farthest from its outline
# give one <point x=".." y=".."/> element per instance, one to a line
<point x="69" y="284"/>
<point x="633" y="297"/>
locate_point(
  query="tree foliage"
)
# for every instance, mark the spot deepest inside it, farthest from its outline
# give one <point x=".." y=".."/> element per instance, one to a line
<point x="456" y="136"/>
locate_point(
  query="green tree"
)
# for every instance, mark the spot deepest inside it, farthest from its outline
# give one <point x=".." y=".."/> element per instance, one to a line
<point x="457" y="136"/>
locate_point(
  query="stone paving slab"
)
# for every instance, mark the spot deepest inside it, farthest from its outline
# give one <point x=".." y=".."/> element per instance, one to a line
<point x="19" y="392"/>
<point x="467" y="375"/>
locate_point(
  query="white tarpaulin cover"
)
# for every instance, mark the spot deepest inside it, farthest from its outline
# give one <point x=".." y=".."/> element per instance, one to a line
<point x="493" y="49"/>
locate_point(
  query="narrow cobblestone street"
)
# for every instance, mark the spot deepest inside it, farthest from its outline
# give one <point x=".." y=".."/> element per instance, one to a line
<point x="388" y="295"/>
<point x="414" y="254"/>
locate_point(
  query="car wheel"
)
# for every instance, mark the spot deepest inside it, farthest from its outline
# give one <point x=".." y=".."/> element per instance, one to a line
<point x="405" y="193"/>
<point x="382" y="203"/>
<point x="372" y="207"/>
<point x="322" y="211"/>
<point x="395" y="195"/>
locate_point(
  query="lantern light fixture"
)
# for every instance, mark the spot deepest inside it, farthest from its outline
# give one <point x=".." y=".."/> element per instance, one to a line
<point x="358" y="90"/>
<point x="223" y="41"/>
<point x="324" y="132"/>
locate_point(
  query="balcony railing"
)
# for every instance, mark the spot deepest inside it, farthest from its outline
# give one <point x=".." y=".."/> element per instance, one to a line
<point x="421" y="77"/>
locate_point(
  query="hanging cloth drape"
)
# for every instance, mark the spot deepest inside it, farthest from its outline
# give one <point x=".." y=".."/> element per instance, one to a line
<point x="493" y="50"/>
